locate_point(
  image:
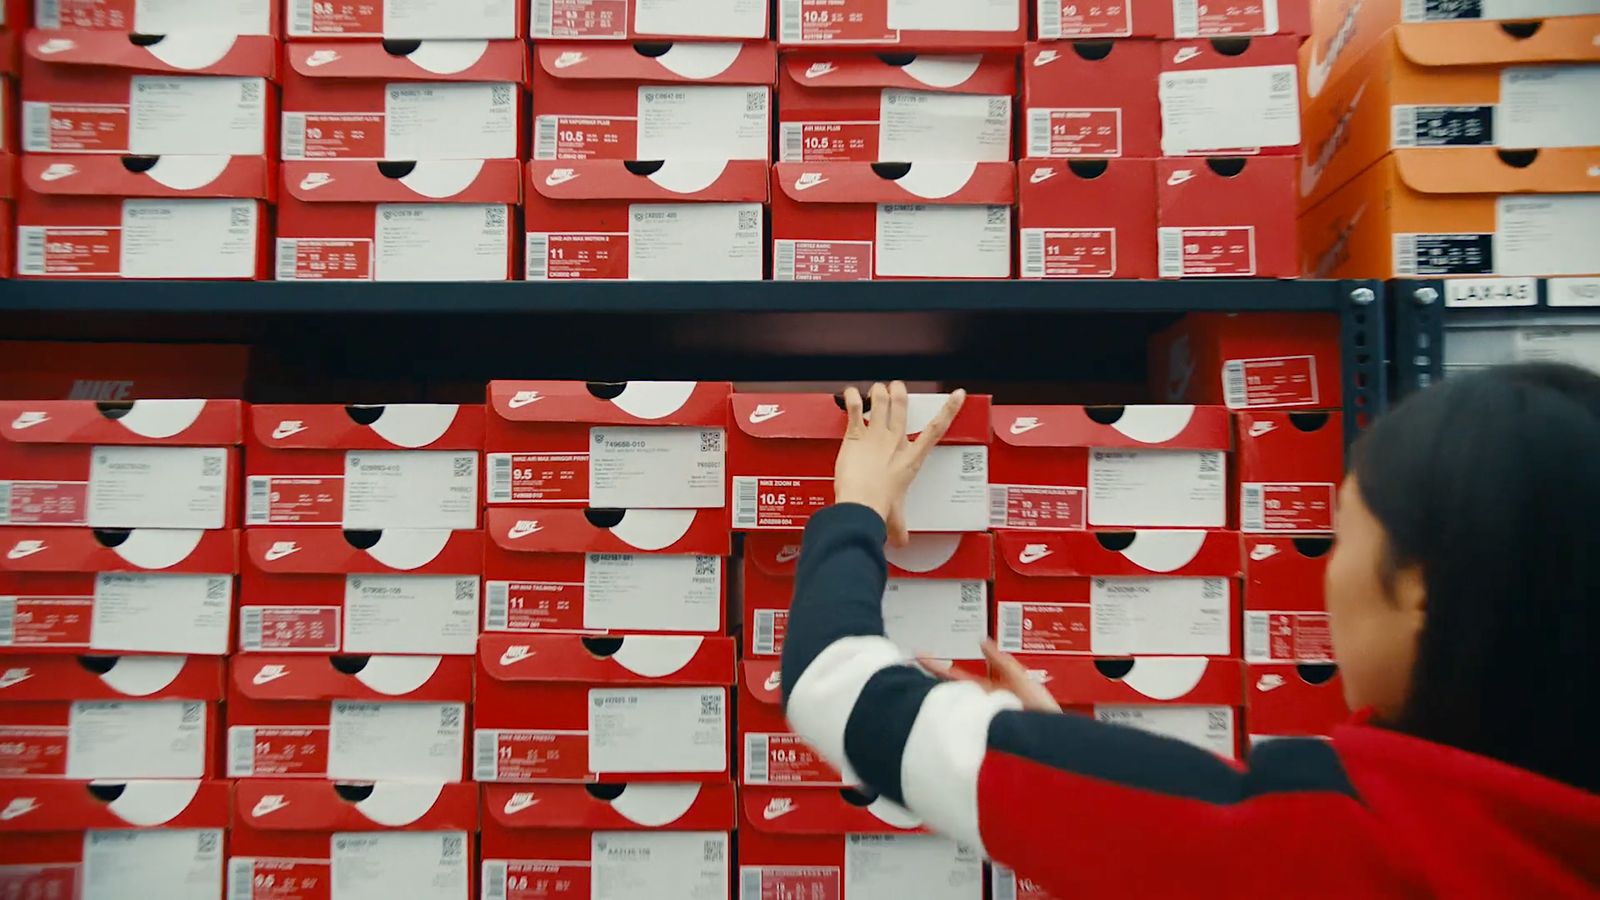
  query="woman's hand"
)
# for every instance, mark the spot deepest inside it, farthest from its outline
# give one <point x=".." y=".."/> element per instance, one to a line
<point x="1005" y="674"/>
<point x="876" y="463"/>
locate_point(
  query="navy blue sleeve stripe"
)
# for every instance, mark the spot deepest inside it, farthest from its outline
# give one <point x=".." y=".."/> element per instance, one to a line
<point x="875" y="735"/>
<point x="838" y="586"/>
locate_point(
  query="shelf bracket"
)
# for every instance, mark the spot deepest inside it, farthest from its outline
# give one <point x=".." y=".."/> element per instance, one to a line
<point x="1362" y="351"/>
<point x="1417" y="308"/>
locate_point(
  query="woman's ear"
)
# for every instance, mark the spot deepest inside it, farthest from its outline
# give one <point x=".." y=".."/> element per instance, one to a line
<point x="1410" y="594"/>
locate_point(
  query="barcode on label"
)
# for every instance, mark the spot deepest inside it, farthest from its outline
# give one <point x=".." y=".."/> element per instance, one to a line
<point x="300" y="17"/>
<point x="1032" y="253"/>
<point x="5" y="502"/>
<point x="1171" y="241"/>
<point x="744" y="503"/>
<point x="241" y="878"/>
<point x="30" y="253"/>
<point x="755" y="759"/>
<point x="1405" y="126"/>
<point x="241" y="752"/>
<point x="1011" y="627"/>
<point x="499" y="478"/>
<point x="47" y="14"/>
<point x="765" y="642"/>
<point x="250" y="628"/>
<point x="749" y="883"/>
<point x="789" y="32"/>
<point x="1405" y="254"/>
<point x="36" y="127"/>
<point x="544" y="138"/>
<point x="1049" y="19"/>
<point x="1257" y="647"/>
<point x="496" y="606"/>
<point x="1005" y="884"/>
<point x="783" y="260"/>
<point x="1233" y="391"/>
<point x="8" y="621"/>
<point x="1186" y="18"/>
<point x="494" y="880"/>
<point x="1039" y="132"/>
<point x="485" y="747"/>
<point x="793" y="148"/>
<point x="294" y="135"/>
<point x="538" y="257"/>
<point x="258" y="505"/>
<point x="288" y="253"/>
<point x="543" y="14"/>
<point x="1251" y="514"/>
<point x="997" y="505"/>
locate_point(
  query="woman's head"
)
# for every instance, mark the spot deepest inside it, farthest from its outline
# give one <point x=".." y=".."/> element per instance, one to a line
<point x="1463" y="588"/>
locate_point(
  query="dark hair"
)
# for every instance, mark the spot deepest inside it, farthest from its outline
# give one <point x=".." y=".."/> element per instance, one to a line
<point x="1490" y="482"/>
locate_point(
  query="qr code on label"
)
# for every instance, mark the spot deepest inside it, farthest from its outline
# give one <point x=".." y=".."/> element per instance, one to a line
<point x="211" y="467"/>
<point x="711" y="704"/>
<point x="714" y="851"/>
<point x="494" y="217"/>
<point x="250" y="91"/>
<point x="450" y="717"/>
<point x="241" y="216"/>
<point x="749" y="219"/>
<point x="755" y="101"/>
<point x="462" y="467"/>
<point x="207" y="842"/>
<point x="500" y="95"/>
<point x="1000" y="215"/>
<point x="999" y="107"/>
<point x="972" y="462"/>
<point x="711" y="441"/>
<point x="192" y="713"/>
<point x="705" y="566"/>
<point x="452" y="847"/>
<point x="1282" y="82"/>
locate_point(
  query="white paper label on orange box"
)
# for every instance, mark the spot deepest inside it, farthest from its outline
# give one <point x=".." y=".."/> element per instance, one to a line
<point x="648" y="865"/>
<point x="398" y="741"/>
<point x="411" y="614"/>
<point x="157" y="487"/>
<point x="694" y="242"/>
<point x="226" y="16"/>
<point x="700" y="18"/>
<point x="188" y="238"/>
<point x="936" y="617"/>
<point x="942" y="15"/>
<point x="656" y="467"/>
<point x="1547" y="234"/>
<point x="658" y="729"/>
<point x="462" y="120"/>
<point x="1186" y="616"/>
<point x="951" y="492"/>
<point x="1578" y="346"/>
<point x="1157" y="488"/>
<point x="441" y="242"/>
<point x="1417" y="11"/>
<point x="1213" y="109"/>
<point x="1537" y="103"/>
<point x="137" y="739"/>
<point x="170" y="863"/>
<point x="1206" y="727"/>
<point x="203" y="116"/>
<point x="162" y="613"/>
<point x="704" y="122"/>
<point x="923" y="125"/>
<point x="410" y="489"/>
<point x="643" y="592"/>
<point x="940" y="241"/>
<point x="416" y="865"/>
<point x="911" y="865"/>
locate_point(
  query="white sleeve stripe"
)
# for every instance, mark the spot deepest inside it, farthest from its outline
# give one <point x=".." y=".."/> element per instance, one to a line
<point x="943" y="753"/>
<point x="821" y="701"/>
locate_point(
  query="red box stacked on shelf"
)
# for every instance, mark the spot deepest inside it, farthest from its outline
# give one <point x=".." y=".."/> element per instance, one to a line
<point x="1256" y="361"/>
<point x="1292" y="684"/>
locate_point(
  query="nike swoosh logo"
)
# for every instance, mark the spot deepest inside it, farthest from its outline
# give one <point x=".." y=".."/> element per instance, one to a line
<point x="520" y="802"/>
<point x="518" y="401"/>
<point x="1041" y="175"/>
<point x="1025" y="427"/>
<point x="268" y="805"/>
<point x="279" y="551"/>
<point x="28" y="420"/>
<point x="1032" y="555"/>
<point x="804" y="184"/>
<point x="774" y="681"/>
<point x="18" y="808"/>
<point x="311" y="182"/>
<point x="1179" y="177"/>
<point x="25" y="549"/>
<point x="554" y="179"/>
<point x="56" y="173"/>
<point x="281" y="432"/>
<point x="777" y="809"/>
<point x="514" y="655"/>
<point x="757" y="417"/>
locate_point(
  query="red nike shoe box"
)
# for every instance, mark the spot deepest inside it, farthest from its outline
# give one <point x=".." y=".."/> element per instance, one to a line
<point x="1087" y="218"/>
<point x="1285" y="619"/>
<point x="1194" y="699"/>
<point x="348" y="718"/>
<point x="8" y="196"/>
<point x="1109" y="593"/>
<point x="406" y="20"/>
<point x="625" y="445"/>
<point x="673" y="837"/>
<point x="892" y="24"/>
<point x="649" y="20"/>
<point x="633" y="571"/>
<point x="841" y="843"/>
<point x="700" y="101"/>
<point x="885" y="221"/>
<point x="1072" y="467"/>
<point x="109" y="717"/>
<point x="1287" y="700"/>
<point x="1227" y="217"/>
<point x="1093" y="99"/>
<point x="74" y="370"/>
<point x="255" y="17"/>
<point x="173" y="217"/>
<point x="1220" y="100"/>
<point x="769" y="753"/>
<point x="89" y="838"/>
<point x="862" y="107"/>
<point x="78" y="590"/>
<point x="146" y="464"/>
<point x="782" y="448"/>
<point x="561" y="707"/>
<point x="679" y="220"/>
<point x="1290" y="466"/>
<point x="439" y="100"/>
<point x="8" y="104"/>
<point x="389" y="839"/>
<point x="403" y="465"/>
<point x="196" y="93"/>
<point x="1254" y="362"/>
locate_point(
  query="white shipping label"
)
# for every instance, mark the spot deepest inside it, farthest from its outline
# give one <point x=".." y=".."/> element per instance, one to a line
<point x="650" y="865"/>
<point x="1187" y="616"/>
<point x="646" y="592"/>
<point x="1548" y="234"/>
<point x="951" y="491"/>
<point x="442" y="242"/>
<point x="922" y="125"/>
<point x="1572" y="291"/>
<point x="189" y="238"/>
<point x="935" y="617"/>
<point x="1491" y="292"/>
<point x="204" y="116"/>
<point x="411" y="614"/>
<point x="398" y="741"/>
<point x="656" y="467"/>
<point x="226" y="16"/>
<point x="162" y="613"/>
<point x="694" y="242"/>
<point x="701" y="18"/>
<point x="1537" y="104"/>
<point x="1206" y="727"/>
<point x="1158" y="488"/>
<point x="1422" y="11"/>
<point x="416" y="865"/>
<point x="170" y="863"/>
<point x="157" y="487"/>
<point x="942" y="15"/>
<point x="1578" y="346"/>
<point x="943" y="241"/>
<point x="704" y="122"/>
<point x="911" y="865"/>
<point x="411" y="489"/>
<point x="461" y="120"/>
<point x="137" y="739"/>
<point x="1213" y="109"/>
<point x="658" y="729"/>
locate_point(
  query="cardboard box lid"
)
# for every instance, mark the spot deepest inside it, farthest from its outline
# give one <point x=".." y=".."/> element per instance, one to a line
<point x="172" y="422"/>
<point x="928" y="555"/>
<point x="993" y="183"/>
<point x="1476" y="43"/>
<point x="1189" y="680"/>
<point x="976" y="73"/>
<point x="727" y="62"/>
<point x="268" y="804"/>
<point x="462" y="60"/>
<point x="612" y="403"/>
<point x="1168" y="427"/>
<point x="681" y="531"/>
<point x="657" y="660"/>
<point x="150" y="176"/>
<point x="822" y="812"/>
<point x="57" y="677"/>
<point x="409" y="426"/>
<point x="44" y="805"/>
<point x="822" y="416"/>
<point x="1485" y="170"/>
<point x="167" y="550"/>
<point x="332" y="551"/>
<point x="187" y="53"/>
<point x="427" y="181"/>
<point x="677" y="180"/>
<point x="611" y="807"/>
<point x="301" y="676"/>
<point x="1122" y="554"/>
